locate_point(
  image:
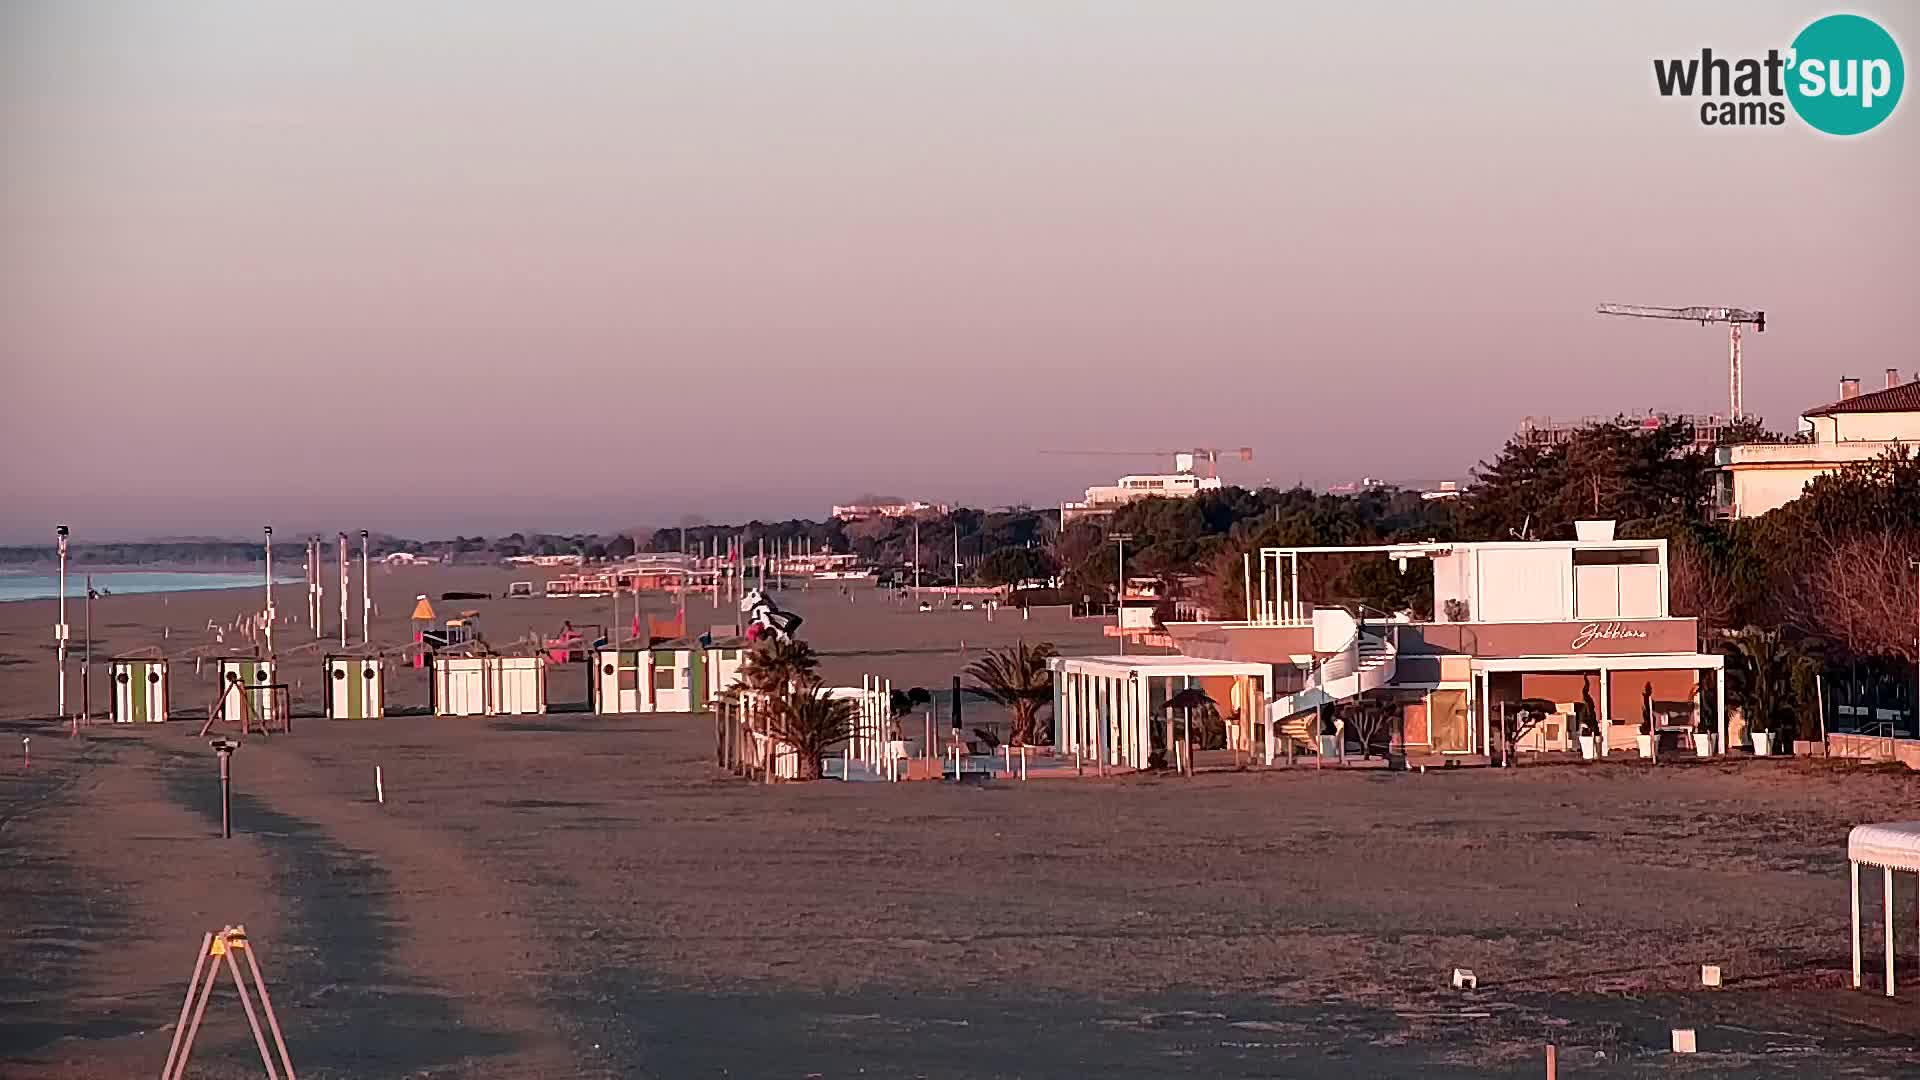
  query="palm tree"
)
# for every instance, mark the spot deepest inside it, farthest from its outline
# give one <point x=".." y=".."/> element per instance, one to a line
<point x="1017" y="678"/>
<point x="1770" y="678"/>
<point x="808" y="723"/>
<point x="775" y="667"/>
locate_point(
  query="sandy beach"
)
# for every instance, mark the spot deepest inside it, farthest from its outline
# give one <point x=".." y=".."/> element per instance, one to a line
<point x="572" y="895"/>
<point x="874" y="634"/>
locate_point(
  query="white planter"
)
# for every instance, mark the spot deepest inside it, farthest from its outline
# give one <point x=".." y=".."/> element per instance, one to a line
<point x="1702" y="744"/>
<point x="1763" y="744"/>
<point x="1589" y="746"/>
<point x="1645" y="743"/>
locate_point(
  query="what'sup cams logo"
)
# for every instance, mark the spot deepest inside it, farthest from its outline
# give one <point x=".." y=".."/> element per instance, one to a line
<point x="1842" y="75"/>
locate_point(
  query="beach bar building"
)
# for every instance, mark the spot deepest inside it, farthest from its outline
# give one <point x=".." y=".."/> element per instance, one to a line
<point x="252" y="677"/>
<point x="489" y="685"/>
<point x="355" y="688"/>
<point x="1565" y="627"/>
<point x="670" y="676"/>
<point x="1105" y="707"/>
<point x="139" y="689"/>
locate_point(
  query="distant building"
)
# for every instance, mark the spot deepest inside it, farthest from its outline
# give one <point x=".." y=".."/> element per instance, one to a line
<point x="863" y="511"/>
<point x="546" y="560"/>
<point x="1355" y="487"/>
<point x="1759" y="477"/>
<point x="1182" y="483"/>
<point x="1545" y="431"/>
<point x="408" y="558"/>
<point x="1447" y="489"/>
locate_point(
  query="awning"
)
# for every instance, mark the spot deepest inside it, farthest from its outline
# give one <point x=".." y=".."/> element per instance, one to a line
<point x="1893" y="845"/>
<point x="1609" y="662"/>
<point x="1153" y="666"/>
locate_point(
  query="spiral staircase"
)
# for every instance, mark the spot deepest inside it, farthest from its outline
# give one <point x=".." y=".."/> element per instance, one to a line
<point x="1362" y="657"/>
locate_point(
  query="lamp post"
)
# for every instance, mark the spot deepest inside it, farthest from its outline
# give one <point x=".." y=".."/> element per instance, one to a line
<point x="1120" y="591"/>
<point x="60" y="631"/>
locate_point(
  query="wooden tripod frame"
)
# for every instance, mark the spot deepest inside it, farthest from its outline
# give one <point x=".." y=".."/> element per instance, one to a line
<point x="228" y="941"/>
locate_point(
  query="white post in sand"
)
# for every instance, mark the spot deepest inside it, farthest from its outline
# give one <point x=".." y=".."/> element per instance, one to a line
<point x="1853" y="869"/>
<point x="1886" y="876"/>
<point x="379" y="785"/>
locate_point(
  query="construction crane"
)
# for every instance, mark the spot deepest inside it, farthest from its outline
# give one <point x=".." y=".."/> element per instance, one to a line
<point x="1733" y="317"/>
<point x="1212" y="455"/>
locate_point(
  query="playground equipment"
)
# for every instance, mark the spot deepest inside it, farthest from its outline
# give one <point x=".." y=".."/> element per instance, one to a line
<point x="248" y="681"/>
<point x="765" y="619"/>
<point x="253" y="708"/>
<point x="574" y="643"/>
<point x="215" y="947"/>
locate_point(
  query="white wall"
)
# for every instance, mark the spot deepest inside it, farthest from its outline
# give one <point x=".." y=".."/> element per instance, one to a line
<point x="1756" y="491"/>
<point x="1877" y="426"/>
<point x="1524" y="584"/>
<point x="1453" y="580"/>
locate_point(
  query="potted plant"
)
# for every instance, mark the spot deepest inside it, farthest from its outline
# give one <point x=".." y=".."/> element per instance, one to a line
<point x="1588" y="719"/>
<point x="1645" y="738"/>
<point x="1589" y="724"/>
<point x="1702" y="727"/>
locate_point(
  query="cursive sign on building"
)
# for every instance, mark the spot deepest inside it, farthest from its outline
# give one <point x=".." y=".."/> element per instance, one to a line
<point x="1605" y="631"/>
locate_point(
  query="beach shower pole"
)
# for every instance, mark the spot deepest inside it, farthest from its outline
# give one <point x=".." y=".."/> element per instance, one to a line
<point x="60" y="631"/>
<point x="366" y="634"/>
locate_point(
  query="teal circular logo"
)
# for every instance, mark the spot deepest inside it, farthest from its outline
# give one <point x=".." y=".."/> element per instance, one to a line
<point x="1846" y="75"/>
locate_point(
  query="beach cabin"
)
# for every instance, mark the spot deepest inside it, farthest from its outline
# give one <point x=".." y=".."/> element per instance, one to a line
<point x="622" y="680"/>
<point x="354" y="688"/>
<point x="671" y="676"/>
<point x="489" y="685"/>
<point x="250" y="676"/>
<point x="139" y="690"/>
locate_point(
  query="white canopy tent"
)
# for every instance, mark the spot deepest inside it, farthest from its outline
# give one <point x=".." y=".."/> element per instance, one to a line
<point x="1891" y="846"/>
<point x="1102" y="705"/>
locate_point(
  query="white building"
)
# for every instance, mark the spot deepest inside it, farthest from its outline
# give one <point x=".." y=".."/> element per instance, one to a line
<point x="1182" y="483"/>
<point x="1759" y="477"/>
<point x="862" y="511"/>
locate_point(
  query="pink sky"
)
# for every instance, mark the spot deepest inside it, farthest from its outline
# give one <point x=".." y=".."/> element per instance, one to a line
<point x="476" y="267"/>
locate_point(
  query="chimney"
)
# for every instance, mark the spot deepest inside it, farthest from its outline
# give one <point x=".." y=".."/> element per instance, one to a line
<point x="1893" y="377"/>
<point x="1849" y="388"/>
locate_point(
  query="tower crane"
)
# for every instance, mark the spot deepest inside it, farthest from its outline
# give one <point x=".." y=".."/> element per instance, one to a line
<point x="1733" y="317"/>
<point x="1211" y="454"/>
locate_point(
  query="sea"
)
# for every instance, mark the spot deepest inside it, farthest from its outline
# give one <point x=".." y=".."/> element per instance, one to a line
<point x="37" y="586"/>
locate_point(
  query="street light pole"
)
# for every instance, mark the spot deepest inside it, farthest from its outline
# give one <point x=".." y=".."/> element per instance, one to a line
<point x="1120" y="591"/>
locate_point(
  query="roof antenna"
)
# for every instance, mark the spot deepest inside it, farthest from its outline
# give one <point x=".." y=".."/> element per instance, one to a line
<point x="1525" y="531"/>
